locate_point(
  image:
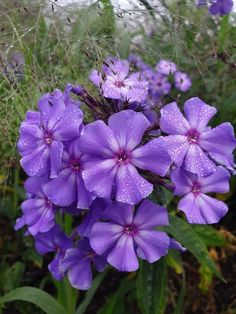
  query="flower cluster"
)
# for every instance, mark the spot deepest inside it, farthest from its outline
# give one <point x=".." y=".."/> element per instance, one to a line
<point x="161" y="79"/>
<point x="103" y="172"/>
<point x="218" y="7"/>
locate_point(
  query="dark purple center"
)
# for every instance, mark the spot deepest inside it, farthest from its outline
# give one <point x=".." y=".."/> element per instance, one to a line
<point x="119" y="84"/>
<point x="130" y="229"/>
<point x="196" y="188"/>
<point x="193" y="136"/>
<point x="123" y="157"/>
<point x="75" y="165"/>
<point x="90" y="254"/>
<point x="48" y="203"/>
<point x="48" y="138"/>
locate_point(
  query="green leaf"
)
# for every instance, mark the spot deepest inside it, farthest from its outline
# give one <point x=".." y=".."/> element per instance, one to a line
<point x="180" y="301"/>
<point x="36" y="296"/>
<point x="12" y="276"/>
<point x="223" y="34"/>
<point x="113" y="300"/>
<point x="90" y="293"/>
<point x="152" y="287"/>
<point x="209" y="235"/>
<point x="174" y="261"/>
<point x="185" y="234"/>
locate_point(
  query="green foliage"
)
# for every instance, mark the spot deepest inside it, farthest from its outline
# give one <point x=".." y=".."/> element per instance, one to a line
<point x="152" y="287"/>
<point x="36" y="296"/>
<point x="186" y="235"/>
<point x="90" y="293"/>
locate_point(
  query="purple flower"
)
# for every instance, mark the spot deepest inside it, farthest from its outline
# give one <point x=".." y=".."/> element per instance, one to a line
<point x="221" y="7"/>
<point x="201" y="2"/>
<point x="127" y="235"/>
<point x="198" y="207"/>
<point x="113" y="156"/>
<point x="182" y="81"/>
<point x="38" y="211"/>
<point x="118" y="84"/>
<point x="68" y="187"/>
<point x="53" y="241"/>
<point x="42" y="135"/>
<point x="166" y="67"/>
<point x="77" y="263"/>
<point x="92" y="215"/>
<point x="190" y="141"/>
<point x="159" y="86"/>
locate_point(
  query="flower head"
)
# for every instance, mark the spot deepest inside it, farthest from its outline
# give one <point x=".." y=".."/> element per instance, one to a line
<point x="166" y="67"/>
<point x="116" y="83"/>
<point x="191" y="141"/>
<point x="221" y="7"/>
<point x="68" y="187"/>
<point x="38" y="210"/>
<point x="77" y="263"/>
<point x="198" y="207"/>
<point x="113" y="155"/>
<point x="42" y="135"/>
<point x="126" y="235"/>
<point x="53" y="241"/>
<point x="182" y="81"/>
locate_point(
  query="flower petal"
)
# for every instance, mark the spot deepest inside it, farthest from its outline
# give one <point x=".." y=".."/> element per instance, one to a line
<point x="197" y="161"/>
<point x="182" y="181"/>
<point x="198" y="113"/>
<point x="52" y="110"/>
<point x="131" y="187"/>
<point x="99" y="177"/>
<point x="104" y="235"/>
<point x="62" y="190"/>
<point x="36" y="163"/>
<point x="84" y="197"/>
<point x="123" y="256"/>
<point x="80" y="275"/>
<point x="212" y="210"/>
<point x="69" y="127"/>
<point x="218" y="182"/>
<point x="150" y="215"/>
<point x="119" y="213"/>
<point x="152" y="245"/>
<point x="97" y="139"/>
<point x="128" y="127"/>
<point x="172" y="120"/>
<point x="177" y="147"/>
<point x="219" y="140"/>
<point x="189" y="205"/>
<point x="56" y="149"/>
<point x="153" y="157"/>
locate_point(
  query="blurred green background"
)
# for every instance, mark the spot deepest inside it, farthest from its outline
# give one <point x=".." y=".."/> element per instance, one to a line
<point x="43" y="46"/>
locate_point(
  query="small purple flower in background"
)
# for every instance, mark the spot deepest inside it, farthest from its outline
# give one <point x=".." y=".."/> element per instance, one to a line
<point x="53" y="241"/>
<point x="218" y="7"/>
<point x="166" y="67"/>
<point x="221" y="7"/>
<point x="68" y="187"/>
<point x="113" y="156"/>
<point x="182" y="81"/>
<point x="159" y="86"/>
<point x="42" y="135"/>
<point x="116" y="83"/>
<point x="198" y="207"/>
<point x="77" y="264"/>
<point x="38" y="211"/>
<point x="13" y="67"/>
<point x="190" y="140"/>
<point x="127" y="235"/>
